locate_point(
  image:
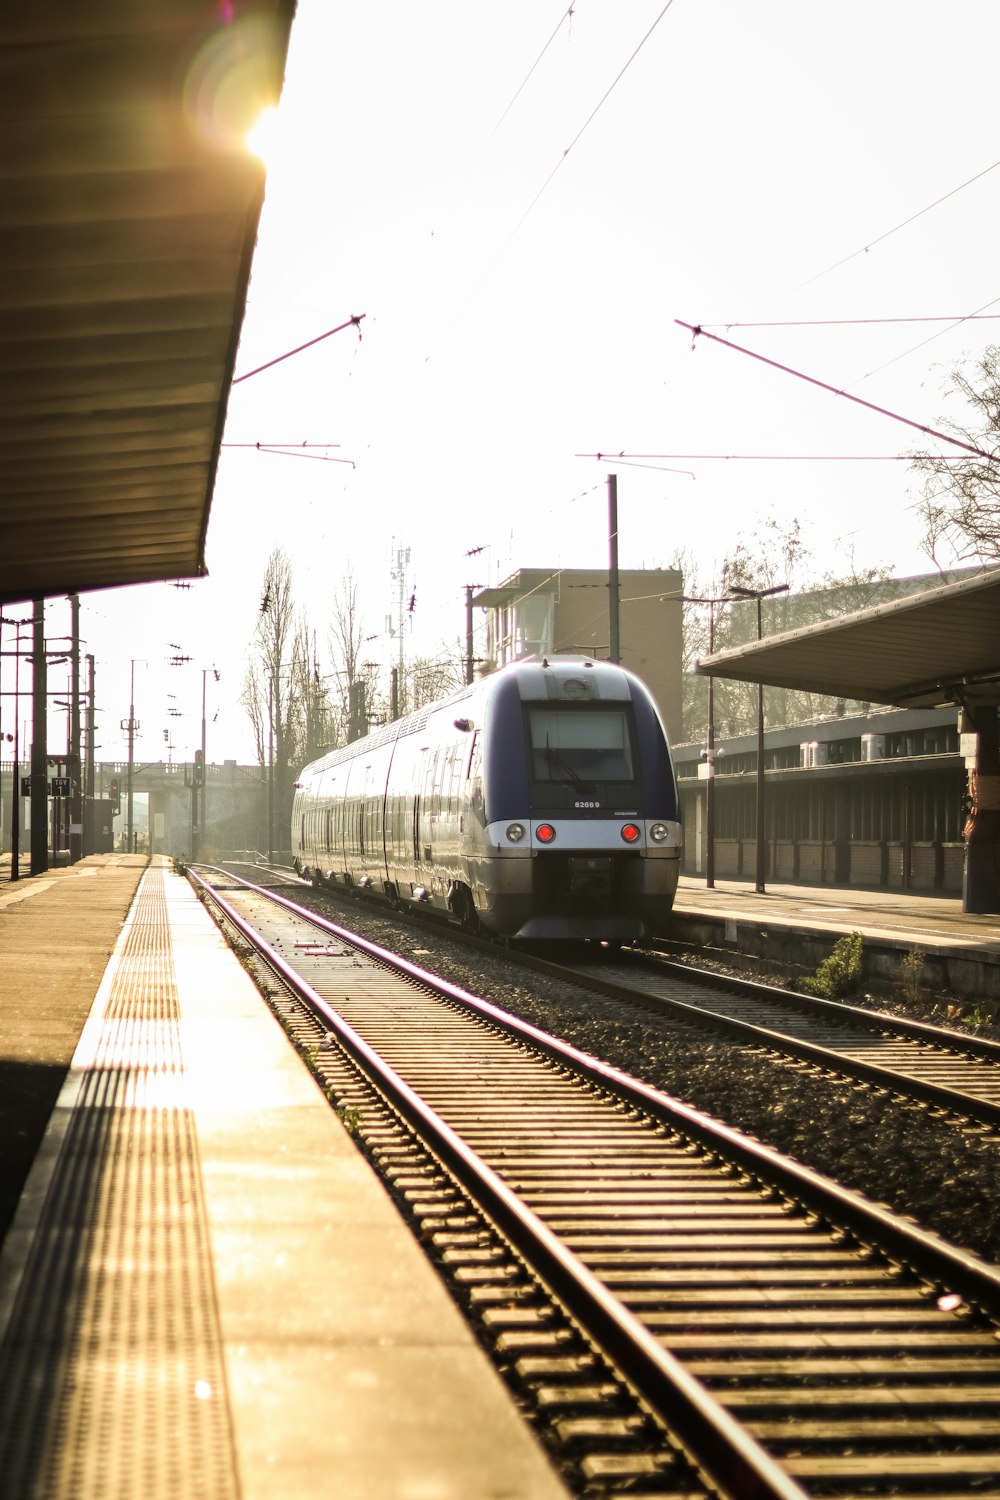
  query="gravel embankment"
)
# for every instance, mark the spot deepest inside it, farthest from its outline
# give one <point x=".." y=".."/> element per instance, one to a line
<point x="947" y="1179"/>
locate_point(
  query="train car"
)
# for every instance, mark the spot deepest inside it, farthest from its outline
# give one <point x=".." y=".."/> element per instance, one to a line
<point x="537" y="803"/>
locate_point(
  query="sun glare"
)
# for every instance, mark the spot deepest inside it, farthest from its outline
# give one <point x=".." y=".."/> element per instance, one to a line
<point x="263" y="138"/>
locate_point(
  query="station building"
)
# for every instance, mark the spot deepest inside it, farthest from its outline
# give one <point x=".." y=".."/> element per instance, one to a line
<point x="898" y="797"/>
<point x="544" y="611"/>
<point x="875" y="799"/>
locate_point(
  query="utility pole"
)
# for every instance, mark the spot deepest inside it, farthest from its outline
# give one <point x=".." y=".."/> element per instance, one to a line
<point x="614" y="599"/>
<point x="201" y="809"/>
<point x="15" y="799"/>
<point x="270" y="769"/>
<point x="131" y="726"/>
<point x="89" y="785"/>
<point x="75" y="768"/>
<point x="468" y="635"/>
<point x="39" y="744"/>
<point x="402" y="558"/>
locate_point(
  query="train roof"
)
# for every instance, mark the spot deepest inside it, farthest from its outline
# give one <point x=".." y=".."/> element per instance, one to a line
<point x="575" y="677"/>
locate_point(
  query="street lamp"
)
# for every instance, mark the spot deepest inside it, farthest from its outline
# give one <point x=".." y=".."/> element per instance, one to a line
<point x="759" y="594"/>
<point x="199" y="779"/>
<point x="15" y="825"/>
<point x="204" y="766"/>
<point x="131" y="724"/>
<point x="710" y="743"/>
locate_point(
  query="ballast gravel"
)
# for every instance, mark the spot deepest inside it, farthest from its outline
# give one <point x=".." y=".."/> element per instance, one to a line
<point x="917" y="1163"/>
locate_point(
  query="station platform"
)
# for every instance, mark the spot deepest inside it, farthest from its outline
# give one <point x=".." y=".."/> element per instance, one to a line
<point x="795" y="924"/>
<point x="204" y="1290"/>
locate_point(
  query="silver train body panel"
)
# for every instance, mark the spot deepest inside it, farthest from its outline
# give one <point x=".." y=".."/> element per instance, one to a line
<point x="539" y="802"/>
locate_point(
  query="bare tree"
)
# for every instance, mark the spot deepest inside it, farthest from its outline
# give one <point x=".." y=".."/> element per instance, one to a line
<point x="283" y="693"/>
<point x="313" y="725"/>
<point x="435" y="677"/>
<point x="355" y="680"/>
<point x="961" y="500"/>
<point x="774" y="555"/>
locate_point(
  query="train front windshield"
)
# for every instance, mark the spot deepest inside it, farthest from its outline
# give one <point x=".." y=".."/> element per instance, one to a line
<point x="581" y="745"/>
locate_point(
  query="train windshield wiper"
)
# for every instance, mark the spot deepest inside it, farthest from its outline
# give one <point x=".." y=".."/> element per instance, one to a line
<point x="571" y="776"/>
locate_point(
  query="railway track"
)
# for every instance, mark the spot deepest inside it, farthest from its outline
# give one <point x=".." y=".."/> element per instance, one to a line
<point x="940" y="1067"/>
<point x="657" y="1284"/>
<point x="937" y="1066"/>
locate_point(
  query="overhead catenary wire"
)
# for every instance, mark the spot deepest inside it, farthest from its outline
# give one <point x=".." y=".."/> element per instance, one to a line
<point x="354" y="321"/>
<point x="976" y="317"/>
<point x="638" y="460"/>
<point x="696" y="330"/>
<point x="965" y="318"/>
<point x="538" y="195"/>
<point x="295" y="450"/>
<point x="586" y="124"/>
<point x="864" y="249"/>
<point x="566" y="16"/>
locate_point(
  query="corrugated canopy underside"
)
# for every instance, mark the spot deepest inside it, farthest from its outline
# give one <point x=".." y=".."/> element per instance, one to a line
<point x="130" y="211"/>
<point x="938" y="647"/>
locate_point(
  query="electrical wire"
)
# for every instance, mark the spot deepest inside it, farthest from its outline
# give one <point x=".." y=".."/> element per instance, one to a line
<point x="587" y="122"/>
<point x="354" y="321"/>
<point x="567" y="16"/>
<point x="294" y="450"/>
<point x="914" y="347"/>
<point x="860" y="322"/>
<point x="632" y="460"/>
<point x="912" y="219"/>
<point x="695" y="329"/>
<point x="635" y="459"/>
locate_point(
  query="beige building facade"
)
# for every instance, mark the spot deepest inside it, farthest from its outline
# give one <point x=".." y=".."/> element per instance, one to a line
<point x="565" y="611"/>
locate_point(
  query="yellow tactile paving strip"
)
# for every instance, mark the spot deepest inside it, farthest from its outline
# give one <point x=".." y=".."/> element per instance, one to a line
<point x="112" y="1380"/>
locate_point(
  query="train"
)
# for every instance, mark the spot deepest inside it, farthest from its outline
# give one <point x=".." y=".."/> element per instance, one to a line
<point x="537" y="803"/>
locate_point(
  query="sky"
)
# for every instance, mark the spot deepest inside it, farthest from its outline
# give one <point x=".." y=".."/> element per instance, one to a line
<point x="520" y="202"/>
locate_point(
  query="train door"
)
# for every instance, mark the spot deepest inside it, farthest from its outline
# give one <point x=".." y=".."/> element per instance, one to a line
<point x="423" y="810"/>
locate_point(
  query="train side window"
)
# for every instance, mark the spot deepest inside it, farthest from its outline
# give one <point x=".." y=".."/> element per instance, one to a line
<point x="476" y="800"/>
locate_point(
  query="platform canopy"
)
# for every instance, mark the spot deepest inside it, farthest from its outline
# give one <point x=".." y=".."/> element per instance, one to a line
<point x="934" y="648"/>
<point x="130" y="212"/>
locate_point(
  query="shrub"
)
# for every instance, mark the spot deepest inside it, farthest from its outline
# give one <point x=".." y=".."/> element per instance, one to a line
<point x="838" y="974"/>
<point x="911" y="975"/>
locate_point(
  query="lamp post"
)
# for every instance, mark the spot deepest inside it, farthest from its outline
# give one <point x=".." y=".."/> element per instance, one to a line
<point x="15" y="820"/>
<point x="270" y="768"/>
<point x="204" y="764"/>
<point x="761" y="860"/>
<point x="131" y="725"/>
<point x="710" y="743"/>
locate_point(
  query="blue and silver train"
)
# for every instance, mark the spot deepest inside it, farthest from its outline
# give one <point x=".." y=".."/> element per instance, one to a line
<point x="539" y="802"/>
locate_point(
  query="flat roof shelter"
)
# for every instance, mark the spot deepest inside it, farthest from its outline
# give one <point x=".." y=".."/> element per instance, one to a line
<point x="935" y="648"/>
<point x="130" y="213"/>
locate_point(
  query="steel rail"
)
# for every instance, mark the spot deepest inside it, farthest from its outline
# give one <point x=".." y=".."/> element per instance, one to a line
<point x="714" y="1441"/>
<point x="921" y="1250"/>
<point x="920" y="1031"/>
<point x="942" y="1097"/>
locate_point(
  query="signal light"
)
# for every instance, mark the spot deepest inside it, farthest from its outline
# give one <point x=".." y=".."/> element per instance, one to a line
<point x="545" y="833"/>
<point x="630" y="832"/>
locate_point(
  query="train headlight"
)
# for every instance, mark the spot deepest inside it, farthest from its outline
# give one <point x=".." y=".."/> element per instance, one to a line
<point x="545" y="833"/>
<point x="658" y="832"/>
<point x="631" y="832"/>
<point x="516" y="832"/>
